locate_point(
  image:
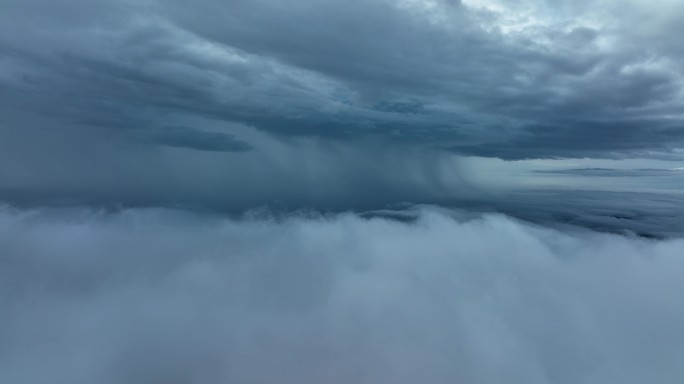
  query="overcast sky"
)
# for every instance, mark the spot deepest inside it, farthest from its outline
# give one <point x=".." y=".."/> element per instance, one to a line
<point x="236" y="103"/>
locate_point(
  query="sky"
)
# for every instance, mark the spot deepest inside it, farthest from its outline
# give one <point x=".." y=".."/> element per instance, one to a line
<point x="165" y="102"/>
<point x="371" y="191"/>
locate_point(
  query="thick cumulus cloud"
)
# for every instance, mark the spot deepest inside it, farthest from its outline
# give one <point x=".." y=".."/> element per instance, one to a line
<point x="155" y="296"/>
<point x="494" y="78"/>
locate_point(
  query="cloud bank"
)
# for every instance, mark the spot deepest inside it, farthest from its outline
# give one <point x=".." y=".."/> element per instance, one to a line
<point x="160" y="296"/>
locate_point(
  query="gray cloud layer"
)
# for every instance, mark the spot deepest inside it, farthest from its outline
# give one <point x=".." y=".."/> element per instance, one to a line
<point x="357" y="104"/>
<point x="153" y="296"/>
<point x="512" y="80"/>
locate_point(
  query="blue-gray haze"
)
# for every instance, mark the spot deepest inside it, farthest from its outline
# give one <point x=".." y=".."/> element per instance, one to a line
<point x="359" y="191"/>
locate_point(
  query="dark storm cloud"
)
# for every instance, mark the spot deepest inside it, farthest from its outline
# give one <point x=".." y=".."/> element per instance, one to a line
<point x="249" y="102"/>
<point x="185" y="137"/>
<point x="465" y="75"/>
<point x="82" y="165"/>
<point x="590" y="139"/>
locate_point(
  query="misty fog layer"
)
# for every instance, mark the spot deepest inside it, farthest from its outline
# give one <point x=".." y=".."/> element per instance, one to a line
<point x="161" y="296"/>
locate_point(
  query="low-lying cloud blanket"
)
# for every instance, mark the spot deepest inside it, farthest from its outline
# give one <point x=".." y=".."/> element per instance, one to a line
<point x="164" y="296"/>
